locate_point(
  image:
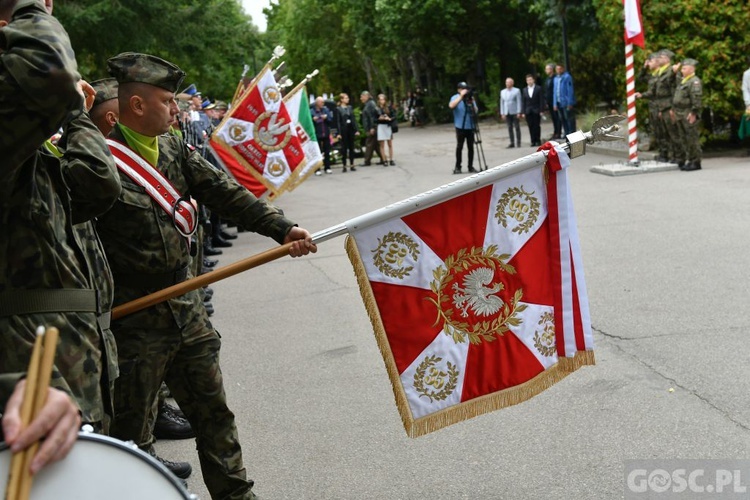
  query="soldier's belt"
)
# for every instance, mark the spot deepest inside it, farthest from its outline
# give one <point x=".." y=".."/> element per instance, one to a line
<point x="18" y="302"/>
<point x="151" y="281"/>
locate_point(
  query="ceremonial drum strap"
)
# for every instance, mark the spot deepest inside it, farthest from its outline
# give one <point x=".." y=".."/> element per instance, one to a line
<point x="183" y="213"/>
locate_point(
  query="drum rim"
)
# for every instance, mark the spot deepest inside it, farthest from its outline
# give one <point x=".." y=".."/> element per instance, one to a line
<point x="133" y="449"/>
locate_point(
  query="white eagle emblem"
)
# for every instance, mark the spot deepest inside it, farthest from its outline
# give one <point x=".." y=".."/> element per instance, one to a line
<point x="477" y="295"/>
<point x="275" y="127"/>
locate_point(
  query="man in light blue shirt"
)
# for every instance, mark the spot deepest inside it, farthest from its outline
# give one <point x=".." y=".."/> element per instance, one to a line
<point x="564" y="99"/>
<point x="511" y="109"/>
<point x="464" y="112"/>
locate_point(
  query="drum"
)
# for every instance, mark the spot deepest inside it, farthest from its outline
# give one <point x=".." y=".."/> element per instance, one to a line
<point x="100" y="467"/>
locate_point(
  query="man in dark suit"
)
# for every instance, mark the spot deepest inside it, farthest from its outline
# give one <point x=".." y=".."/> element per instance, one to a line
<point x="533" y="105"/>
<point x="549" y="86"/>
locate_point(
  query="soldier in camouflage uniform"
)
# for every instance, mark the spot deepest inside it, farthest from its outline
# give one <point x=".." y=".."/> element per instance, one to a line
<point x="174" y="341"/>
<point x="104" y="114"/>
<point x="648" y="74"/>
<point x="44" y="278"/>
<point x="659" y="93"/>
<point x="687" y="105"/>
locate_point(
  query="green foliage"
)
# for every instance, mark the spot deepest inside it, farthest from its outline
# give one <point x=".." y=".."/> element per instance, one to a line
<point x="209" y="39"/>
<point x="396" y="46"/>
<point x="710" y="31"/>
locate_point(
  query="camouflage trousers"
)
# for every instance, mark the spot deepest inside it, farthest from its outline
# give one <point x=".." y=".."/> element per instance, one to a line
<point x="84" y="360"/>
<point x="657" y="139"/>
<point x="187" y="359"/>
<point x="689" y="140"/>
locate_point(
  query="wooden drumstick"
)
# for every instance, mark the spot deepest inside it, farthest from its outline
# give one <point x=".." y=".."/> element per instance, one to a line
<point x="45" y="374"/>
<point x="27" y="408"/>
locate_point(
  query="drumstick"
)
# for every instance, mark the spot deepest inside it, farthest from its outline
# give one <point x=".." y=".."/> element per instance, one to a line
<point x="27" y="407"/>
<point x="45" y="374"/>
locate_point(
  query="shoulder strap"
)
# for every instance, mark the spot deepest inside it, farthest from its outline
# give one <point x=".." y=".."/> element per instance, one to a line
<point x="180" y="210"/>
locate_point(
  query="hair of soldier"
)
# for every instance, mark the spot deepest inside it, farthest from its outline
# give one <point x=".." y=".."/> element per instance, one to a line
<point x="551" y="65"/>
<point x="6" y="9"/>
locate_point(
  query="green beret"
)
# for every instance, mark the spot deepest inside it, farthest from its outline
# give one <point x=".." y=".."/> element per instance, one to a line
<point x="106" y="89"/>
<point x="130" y="67"/>
<point x="689" y="62"/>
<point x="667" y="53"/>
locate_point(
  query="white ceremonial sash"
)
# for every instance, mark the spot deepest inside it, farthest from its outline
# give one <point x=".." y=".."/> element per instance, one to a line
<point x="183" y="213"/>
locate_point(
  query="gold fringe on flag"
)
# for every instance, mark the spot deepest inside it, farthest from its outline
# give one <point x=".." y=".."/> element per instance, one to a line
<point x="462" y="411"/>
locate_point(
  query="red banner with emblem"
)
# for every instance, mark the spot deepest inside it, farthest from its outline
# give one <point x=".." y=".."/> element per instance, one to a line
<point x="478" y="302"/>
<point x="257" y="142"/>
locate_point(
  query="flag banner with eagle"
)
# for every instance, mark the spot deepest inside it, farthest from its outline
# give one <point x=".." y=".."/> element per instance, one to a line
<point x="298" y="106"/>
<point x="256" y="142"/>
<point x="478" y="302"/>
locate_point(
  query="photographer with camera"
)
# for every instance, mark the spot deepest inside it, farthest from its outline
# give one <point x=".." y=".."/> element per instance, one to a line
<point x="464" y="112"/>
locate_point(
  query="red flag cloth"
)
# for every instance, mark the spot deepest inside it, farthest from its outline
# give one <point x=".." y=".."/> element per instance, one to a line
<point x="478" y="302"/>
<point x="634" y="23"/>
<point x="259" y="136"/>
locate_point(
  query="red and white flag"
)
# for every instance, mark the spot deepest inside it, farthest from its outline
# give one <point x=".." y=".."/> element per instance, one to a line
<point x="256" y="141"/>
<point x="633" y="23"/>
<point x="477" y="302"/>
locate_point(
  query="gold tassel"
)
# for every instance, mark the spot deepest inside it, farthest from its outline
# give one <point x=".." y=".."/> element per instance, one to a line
<point x="380" y="337"/>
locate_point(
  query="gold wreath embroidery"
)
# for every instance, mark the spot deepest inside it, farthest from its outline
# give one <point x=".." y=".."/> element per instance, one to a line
<point x="271" y="95"/>
<point x="487" y="330"/>
<point x="545" y="341"/>
<point x="276" y="168"/>
<point x="266" y="134"/>
<point x="237" y="133"/>
<point x="429" y="376"/>
<point x="519" y="205"/>
<point x="390" y="253"/>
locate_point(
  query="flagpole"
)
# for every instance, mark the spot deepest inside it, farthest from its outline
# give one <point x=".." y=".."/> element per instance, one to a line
<point x="632" y="126"/>
<point x="301" y="84"/>
<point x="575" y="146"/>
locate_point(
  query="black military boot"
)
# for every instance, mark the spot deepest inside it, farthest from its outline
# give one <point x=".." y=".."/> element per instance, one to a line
<point x="208" y="248"/>
<point x="179" y="469"/>
<point x="209" y="263"/>
<point x="218" y="242"/>
<point x="172" y="424"/>
<point x="692" y="165"/>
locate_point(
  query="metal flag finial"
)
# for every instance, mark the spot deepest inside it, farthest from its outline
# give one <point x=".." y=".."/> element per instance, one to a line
<point x="603" y="129"/>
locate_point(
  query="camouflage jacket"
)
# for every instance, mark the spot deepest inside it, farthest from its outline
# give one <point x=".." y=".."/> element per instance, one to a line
<point x="688" y="97"/>
<point x="661" y="89"/>
<point x="140" y="237"/>
<point x="38" y="248"/>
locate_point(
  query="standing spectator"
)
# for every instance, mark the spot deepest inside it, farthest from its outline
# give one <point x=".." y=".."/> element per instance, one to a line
<point x="369" y="123"/>
<point x="564" y="99"/>
<point x="746" y="88"/>
<point x="322" y="118"/>
<point x="511" y="109"/>
<point x="464" y="110"/>
<point x="348" y="130"/>
<point x="549" y="93"/>
<point x="533" y="105"/>
<point x="687" y="106"/>
<point x="386" y="117"/>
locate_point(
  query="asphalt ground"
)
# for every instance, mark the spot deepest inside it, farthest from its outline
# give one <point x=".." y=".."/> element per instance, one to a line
<point x="666" y="262"/>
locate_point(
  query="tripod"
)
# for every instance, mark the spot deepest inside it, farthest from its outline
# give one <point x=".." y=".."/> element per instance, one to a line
<point x="481" y="160"/>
